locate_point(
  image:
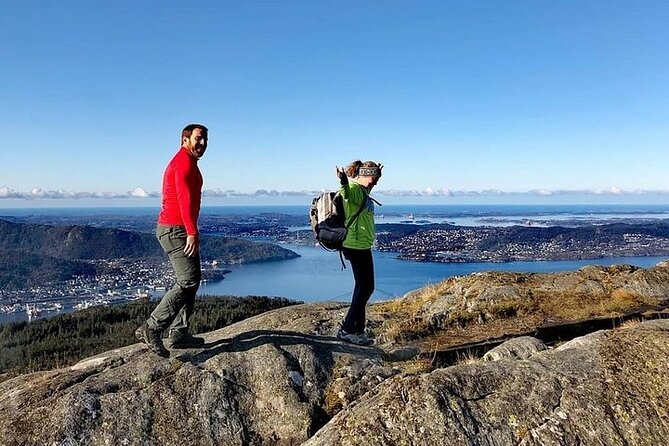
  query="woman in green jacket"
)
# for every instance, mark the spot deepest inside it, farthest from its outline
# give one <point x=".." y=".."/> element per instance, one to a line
<point x="357" y="181"/>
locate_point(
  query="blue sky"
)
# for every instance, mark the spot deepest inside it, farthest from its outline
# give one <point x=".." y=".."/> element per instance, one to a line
<point x="524" y="100"/>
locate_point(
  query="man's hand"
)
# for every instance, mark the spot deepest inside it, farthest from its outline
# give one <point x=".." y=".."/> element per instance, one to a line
<point x="192" y="245"/>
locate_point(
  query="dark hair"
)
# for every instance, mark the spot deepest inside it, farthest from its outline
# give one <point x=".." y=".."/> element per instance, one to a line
<point x="353" y="169"/>
<point x="188" y="130"/>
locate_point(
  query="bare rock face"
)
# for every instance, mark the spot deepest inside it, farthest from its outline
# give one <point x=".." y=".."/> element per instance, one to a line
<point x="608" y="388"/>
<point x="251" y="385"/>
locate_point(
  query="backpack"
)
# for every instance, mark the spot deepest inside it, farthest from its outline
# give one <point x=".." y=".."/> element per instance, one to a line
<point x="328" y="220"/>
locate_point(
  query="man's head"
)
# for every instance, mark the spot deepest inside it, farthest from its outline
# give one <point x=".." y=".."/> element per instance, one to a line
<point x="194" y="138"/>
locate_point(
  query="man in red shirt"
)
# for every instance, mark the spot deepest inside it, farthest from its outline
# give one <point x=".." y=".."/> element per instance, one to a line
<point x="178" y="235"/>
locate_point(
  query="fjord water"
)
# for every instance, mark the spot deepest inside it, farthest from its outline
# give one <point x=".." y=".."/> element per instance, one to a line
<point x="317" y="274"/>
<point x="460" y="214"/>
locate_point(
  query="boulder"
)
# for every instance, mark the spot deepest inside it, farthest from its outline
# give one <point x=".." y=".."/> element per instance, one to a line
<point x="521" y="347"/>
<point x="528" y="299"/>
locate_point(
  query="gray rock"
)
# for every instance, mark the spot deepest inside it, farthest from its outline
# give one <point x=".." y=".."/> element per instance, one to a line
<point x="521" y="347"/>
<point x="252" y="384"/>
<point x="278" y="378"/>
<point x="663" y="264"/>
<point x="605" y="389"/>
<point x="402" y="353"/>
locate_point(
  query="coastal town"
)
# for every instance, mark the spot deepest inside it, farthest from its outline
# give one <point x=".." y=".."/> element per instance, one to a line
<point x="124" y="280"/>
<point x="495" y="244"/>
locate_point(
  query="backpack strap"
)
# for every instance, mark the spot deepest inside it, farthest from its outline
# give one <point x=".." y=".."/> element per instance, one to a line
<point x="360" y="209"/>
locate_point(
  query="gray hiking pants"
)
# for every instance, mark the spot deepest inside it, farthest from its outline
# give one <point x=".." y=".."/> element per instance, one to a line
<point x="176" y="306"/>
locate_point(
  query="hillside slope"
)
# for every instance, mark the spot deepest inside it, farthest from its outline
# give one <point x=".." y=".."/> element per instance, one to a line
<point x="35" y="254"/>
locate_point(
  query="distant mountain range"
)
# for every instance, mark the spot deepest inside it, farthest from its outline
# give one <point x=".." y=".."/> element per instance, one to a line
<point x="76" y="242"/>
<point x="31" y="254"/>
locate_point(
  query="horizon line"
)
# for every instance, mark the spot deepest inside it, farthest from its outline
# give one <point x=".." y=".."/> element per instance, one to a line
<point x="141" y="193"/>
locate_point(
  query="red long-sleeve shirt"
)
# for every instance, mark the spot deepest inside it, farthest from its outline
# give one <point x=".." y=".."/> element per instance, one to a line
<point x="182" y="192"/>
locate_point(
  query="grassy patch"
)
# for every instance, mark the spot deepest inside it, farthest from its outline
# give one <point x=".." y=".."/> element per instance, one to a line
<point x="416" y="366"/>
<point x="578" y="306"/>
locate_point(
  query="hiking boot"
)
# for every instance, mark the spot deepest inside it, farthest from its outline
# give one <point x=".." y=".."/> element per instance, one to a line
<point x="183" y="339"/>
<point x="364" y="339"/>
<point x="352" y="338"/>
<point x="153" y="339"/>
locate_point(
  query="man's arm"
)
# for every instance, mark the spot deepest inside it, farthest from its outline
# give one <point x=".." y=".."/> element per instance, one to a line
<point x="186" y="197"/>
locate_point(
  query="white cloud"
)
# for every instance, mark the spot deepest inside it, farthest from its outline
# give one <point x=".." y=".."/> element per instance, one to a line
<point x="544" y="192"/>
<point x="219" y="193"/>
<point x="6" y="192"/>
<point x="38" y="193"/>
<point x="141" y="193"/>
<point x="431" y="192"/>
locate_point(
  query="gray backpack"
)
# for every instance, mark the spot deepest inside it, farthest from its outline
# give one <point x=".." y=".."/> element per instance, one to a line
<point x="328" y="221"/>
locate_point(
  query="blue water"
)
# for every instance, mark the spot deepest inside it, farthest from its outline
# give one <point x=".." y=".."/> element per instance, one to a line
<point x="447" y="210"/>
<point x="461" y="215"/>
<point x="317" y="274"/>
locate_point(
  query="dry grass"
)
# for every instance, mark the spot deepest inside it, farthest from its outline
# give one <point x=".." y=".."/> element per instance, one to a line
<point x="412" y="303"/>
<point x="467" y="358"/>
<point x="507" y="308"/>
<point x="578" y="306"/>
<point x="632" y="323"/>
<point x="333" y="403"/>
<point x="403" y="315"/>
<point x="416" y="366"/>
<point x="413" y="326"/>
<point x="529" y="302"/>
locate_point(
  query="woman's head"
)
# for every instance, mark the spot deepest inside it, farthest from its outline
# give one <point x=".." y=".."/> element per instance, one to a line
<point x="365" y="173"/>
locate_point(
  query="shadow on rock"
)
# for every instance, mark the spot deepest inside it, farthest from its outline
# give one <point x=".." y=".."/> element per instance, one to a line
<point x="277" y="338"/>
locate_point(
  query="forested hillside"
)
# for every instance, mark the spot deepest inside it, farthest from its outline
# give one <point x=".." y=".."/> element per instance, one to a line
<point x="63" y="340"/>
<point x="19" y="269"/>
<point x="32" y="254"/>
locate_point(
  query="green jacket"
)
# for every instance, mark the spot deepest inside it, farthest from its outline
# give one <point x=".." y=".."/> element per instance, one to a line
<point x="362" y="232"/>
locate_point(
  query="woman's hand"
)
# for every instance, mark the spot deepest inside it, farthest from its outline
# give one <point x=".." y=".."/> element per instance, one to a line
<point x="341" y="174"/>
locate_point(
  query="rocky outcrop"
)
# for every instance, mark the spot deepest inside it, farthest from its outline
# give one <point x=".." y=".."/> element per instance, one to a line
<point x="608" y="388"/>
<point x="282" y="378"/>
<point x="265" y="380"/>
<point x="258" y="385"/>
<point x="528" y="300"/>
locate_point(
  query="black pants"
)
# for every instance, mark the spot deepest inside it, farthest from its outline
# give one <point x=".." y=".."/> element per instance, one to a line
<point x="362" y="265"/>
